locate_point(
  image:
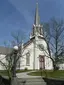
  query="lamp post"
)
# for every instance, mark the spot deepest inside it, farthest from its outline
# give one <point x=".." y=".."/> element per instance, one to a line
<point x="14" y="62"/>
<point x="14" y="80"/>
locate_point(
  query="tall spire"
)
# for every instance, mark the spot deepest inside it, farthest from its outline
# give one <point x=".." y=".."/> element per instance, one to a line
<point x="36" y="22"/>
<point x="37" y="27"/>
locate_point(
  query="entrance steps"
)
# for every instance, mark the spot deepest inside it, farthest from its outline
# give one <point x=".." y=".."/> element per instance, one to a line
<point x="31" y="81"/>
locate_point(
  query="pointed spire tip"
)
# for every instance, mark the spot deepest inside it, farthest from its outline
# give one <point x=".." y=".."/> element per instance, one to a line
<point x="37" y="22"/>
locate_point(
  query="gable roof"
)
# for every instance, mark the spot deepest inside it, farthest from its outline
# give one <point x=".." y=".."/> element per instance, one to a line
<point x="28" y="42"/>
<point x="31" y="40"/>
<point x="5" y="50"/>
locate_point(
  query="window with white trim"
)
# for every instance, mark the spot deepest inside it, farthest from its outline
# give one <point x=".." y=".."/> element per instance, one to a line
<point x="27" y="58"/>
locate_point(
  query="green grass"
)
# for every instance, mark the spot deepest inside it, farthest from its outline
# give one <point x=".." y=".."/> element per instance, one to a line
<point x="20" y="71"/>
<point x="4" y="72"/>
<point x="48" y="73"/>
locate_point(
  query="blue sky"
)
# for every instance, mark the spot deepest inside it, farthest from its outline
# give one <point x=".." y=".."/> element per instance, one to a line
<point x="19" y="15"/>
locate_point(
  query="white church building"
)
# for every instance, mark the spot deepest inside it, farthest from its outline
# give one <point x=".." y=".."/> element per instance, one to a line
<point x="33" y="57"/>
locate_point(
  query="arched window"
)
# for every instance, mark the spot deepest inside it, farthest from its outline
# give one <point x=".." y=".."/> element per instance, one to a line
<point x="28" y="58"/>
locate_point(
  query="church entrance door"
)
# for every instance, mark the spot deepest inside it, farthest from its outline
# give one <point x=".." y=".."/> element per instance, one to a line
<point x="41" y="62"/>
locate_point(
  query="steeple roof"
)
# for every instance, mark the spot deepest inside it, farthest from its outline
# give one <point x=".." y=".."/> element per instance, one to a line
<point x="37" y="21"/>
<point x="37" y="27"/>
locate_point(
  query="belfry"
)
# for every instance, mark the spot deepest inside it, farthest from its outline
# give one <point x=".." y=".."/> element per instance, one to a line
<point x="37" y="27"/>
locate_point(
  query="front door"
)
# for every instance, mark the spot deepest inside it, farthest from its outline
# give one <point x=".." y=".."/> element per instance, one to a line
<point x="41" y="62"/>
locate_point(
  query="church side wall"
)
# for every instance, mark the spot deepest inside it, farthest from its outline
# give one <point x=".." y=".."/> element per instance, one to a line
<point x="2" y="59"/>
<point x="23" y="65"/>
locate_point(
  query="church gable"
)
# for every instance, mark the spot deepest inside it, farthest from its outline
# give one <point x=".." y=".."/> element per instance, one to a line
<point x="28" y="42"/>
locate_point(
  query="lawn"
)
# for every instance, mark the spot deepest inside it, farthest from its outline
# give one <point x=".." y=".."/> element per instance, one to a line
<point x="4" y="72"/>
<point x="45" y="73"/>
<point x="20" y="71"/>
<point x="49" y="73"/>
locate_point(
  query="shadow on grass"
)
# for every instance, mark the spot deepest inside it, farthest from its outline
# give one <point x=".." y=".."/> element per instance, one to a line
<point x="54" y="81"/>
<point x="4" y="81"/>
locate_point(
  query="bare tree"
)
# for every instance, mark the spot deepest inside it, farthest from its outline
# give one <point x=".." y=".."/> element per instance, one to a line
<point x="54" y="37"/>
<point x="5" y="62"/>
<point x="18" y="37"/>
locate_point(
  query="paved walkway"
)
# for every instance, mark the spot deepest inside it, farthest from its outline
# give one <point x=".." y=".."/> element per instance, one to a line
<point x="25" y="79"/>
<point x="24" y="75"/>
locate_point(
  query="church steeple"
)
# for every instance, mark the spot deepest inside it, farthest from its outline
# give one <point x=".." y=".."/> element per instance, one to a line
<point x="36" y="21"/>
<point x="37" y="27"/>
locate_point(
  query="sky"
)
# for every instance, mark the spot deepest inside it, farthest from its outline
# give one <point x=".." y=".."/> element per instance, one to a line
<point x="19" y="15"/>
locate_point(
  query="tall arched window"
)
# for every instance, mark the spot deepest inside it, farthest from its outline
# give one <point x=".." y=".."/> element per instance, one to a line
<point x="28" y="58"/>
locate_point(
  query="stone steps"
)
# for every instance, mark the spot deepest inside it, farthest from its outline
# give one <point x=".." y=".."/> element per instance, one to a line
<point x="31" y="81"/>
